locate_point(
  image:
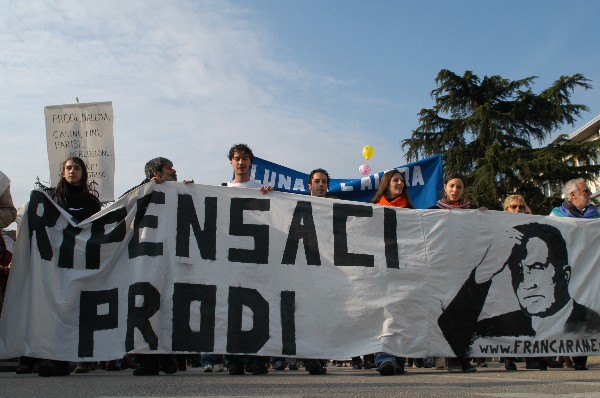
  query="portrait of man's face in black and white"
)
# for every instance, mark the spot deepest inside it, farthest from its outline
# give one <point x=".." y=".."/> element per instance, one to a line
<point x="540" y="270"/>
<point x="540" y="273"/>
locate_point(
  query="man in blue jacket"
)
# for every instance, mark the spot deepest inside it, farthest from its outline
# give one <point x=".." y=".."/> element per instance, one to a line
<point x="577" y="201"/>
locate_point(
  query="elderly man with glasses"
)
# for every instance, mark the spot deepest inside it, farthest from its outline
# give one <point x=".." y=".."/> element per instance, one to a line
<point x="577" y="201"/>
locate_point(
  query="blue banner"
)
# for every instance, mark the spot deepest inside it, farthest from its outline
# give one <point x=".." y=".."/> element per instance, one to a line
<point x="424" y="179"/>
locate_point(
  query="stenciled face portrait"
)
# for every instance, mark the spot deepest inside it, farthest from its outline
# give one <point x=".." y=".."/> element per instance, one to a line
<point x="537" y="292"/>
<point x="318" y="187"/>
<point x="72" y="172"/>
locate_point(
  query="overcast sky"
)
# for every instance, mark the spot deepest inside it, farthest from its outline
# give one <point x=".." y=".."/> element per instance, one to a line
<point x="305" y="83"/>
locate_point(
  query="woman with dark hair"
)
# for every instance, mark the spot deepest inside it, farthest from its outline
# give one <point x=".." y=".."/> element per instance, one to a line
<point x="454" y="193"/>
<point x="73" y="195"/>
<point x="72" y="192"/>
<point x="454" y="197"/>
<point x="392" y="192"/>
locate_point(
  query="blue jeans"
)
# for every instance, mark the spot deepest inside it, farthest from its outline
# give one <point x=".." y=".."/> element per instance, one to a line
<point x="381" y="357"/>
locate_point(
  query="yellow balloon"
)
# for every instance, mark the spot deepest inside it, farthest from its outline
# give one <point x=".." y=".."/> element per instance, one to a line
<point x="368" y="151"/>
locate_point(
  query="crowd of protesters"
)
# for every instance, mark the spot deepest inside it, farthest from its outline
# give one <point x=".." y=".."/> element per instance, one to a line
<point x="73" y="195"/>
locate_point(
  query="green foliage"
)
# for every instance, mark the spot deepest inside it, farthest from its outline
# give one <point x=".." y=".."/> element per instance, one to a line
<point x="485" y="129"/>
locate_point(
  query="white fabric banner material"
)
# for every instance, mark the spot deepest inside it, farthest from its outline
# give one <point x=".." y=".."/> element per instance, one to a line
<point x="194" y="268"/>
<point x="84" y="131"/>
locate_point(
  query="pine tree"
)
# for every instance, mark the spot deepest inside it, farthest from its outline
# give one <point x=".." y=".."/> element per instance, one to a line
<point x="486" y="128"/>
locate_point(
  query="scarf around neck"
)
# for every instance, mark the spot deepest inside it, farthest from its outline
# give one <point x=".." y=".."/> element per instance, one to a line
<point x="461" y="204"/>
<point x="400" y="201"/>
<point x="569" y="210"/>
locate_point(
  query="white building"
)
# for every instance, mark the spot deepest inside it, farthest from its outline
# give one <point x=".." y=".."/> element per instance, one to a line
<point x="590" y="132"/>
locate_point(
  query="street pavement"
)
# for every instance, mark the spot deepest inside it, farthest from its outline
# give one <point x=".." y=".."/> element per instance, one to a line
<point x="345" y="382"/>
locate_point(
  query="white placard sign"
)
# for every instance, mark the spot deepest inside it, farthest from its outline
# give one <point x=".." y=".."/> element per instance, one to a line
<point x="84" y="131"/>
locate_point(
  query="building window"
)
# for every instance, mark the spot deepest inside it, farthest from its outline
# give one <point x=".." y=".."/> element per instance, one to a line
<point x="547" y="190"/>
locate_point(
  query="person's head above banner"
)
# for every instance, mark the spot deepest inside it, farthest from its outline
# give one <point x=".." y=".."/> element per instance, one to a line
<point x="424" y="180"/>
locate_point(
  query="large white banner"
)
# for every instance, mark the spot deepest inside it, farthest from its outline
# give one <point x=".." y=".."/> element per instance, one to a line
<point x="84" y="131"/>
<point x="194" y="268"/>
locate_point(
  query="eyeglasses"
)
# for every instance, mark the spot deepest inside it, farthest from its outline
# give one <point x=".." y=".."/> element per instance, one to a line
<point x="514" y="207"/>
<point x="584" y="190"/>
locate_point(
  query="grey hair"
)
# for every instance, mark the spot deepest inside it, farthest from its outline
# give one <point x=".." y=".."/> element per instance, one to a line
<point x="571" y="186"/>
<point x="156" y="165"/>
